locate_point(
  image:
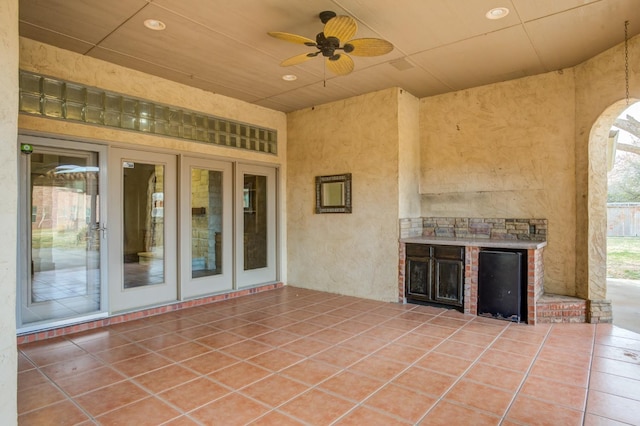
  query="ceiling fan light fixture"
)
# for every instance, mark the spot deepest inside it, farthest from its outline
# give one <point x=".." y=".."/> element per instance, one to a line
<point x="497" y="13"/>
<point x="154" y="24"/>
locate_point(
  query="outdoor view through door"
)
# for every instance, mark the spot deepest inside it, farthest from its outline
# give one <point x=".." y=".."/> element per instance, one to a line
<point x="62" y="275"/>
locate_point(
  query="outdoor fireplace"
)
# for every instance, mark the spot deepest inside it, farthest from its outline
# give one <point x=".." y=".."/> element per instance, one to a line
<point x="440" y="258"/>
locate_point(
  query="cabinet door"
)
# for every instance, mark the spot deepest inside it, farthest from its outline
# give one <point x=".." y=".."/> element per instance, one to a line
<point x="448" y="282"/>
<point x="419" y="271"/>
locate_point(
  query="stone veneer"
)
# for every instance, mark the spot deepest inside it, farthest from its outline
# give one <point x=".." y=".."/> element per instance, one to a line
<point x="464" y="227"/>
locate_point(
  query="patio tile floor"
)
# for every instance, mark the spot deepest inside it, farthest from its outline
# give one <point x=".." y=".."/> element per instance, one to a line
<point x="303" y="357"/>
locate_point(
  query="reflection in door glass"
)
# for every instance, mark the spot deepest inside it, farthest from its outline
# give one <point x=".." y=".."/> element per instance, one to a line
<point x="255" y="221"/>
<point x="143" y="224"/>
<point x="206" y="223"/>
<point x="64" y="276"/>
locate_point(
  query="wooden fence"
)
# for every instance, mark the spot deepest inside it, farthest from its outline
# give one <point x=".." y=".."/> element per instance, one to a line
<point x="623" y="220"/>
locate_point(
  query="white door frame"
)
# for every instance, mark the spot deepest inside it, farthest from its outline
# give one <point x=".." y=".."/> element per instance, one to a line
<point x="24" y="226"/>
<point x="248" y="278"/>
<point x="193" y="287"/>
<point x="135" y="298"/>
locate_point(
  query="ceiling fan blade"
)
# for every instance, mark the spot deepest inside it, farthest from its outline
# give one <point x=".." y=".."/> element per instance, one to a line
<point x="341" y="27"/>
<point x="341" y="65"/>
<point x="370" y="47"/>
<point x="293" y="38"/>
<point x="298" y="59"/>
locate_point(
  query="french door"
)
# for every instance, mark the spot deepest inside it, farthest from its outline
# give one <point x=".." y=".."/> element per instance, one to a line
<point x="209" y="233"/>
<point x="255" y="225"/>
<point x="62" y="243"/>
<point x="143" y="214"/>
<point x="206" y="242"/>
<point x="89" y="212"/>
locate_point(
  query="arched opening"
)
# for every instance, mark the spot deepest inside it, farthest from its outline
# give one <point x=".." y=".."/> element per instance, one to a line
<point x="623" y="220"/>
<point x="600" y="148"/>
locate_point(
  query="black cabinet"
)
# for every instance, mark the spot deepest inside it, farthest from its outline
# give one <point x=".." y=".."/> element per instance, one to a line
<point x="435" y="274"/>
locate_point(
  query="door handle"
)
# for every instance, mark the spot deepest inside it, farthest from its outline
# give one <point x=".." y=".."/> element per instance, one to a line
<point x="103" y="229"/>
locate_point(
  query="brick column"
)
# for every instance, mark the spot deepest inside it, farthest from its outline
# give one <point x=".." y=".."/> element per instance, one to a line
<point x="402" y="256"/>
<point x="471" y="280"/>
<point x="535" y="282"/>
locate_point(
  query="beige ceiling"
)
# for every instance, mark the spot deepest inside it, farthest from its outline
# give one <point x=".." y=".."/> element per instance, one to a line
<point x="440" y="45"/>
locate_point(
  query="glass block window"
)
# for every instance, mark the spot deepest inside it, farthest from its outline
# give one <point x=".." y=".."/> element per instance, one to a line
<point x="59" y="99"/>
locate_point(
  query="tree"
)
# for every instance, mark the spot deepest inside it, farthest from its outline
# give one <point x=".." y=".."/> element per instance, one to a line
<point x="631" y="126"/>
<point x="624" y="179"/>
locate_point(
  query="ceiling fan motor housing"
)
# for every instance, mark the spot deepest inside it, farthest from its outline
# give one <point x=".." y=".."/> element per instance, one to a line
<point x="326" y="15"/>
<point x="327" y="45"/>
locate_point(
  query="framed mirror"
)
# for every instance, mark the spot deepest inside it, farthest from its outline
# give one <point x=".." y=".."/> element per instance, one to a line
<point x="333" y="193"/>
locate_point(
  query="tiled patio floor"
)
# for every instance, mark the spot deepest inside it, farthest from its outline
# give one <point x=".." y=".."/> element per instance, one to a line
<point x="293" y="356"/>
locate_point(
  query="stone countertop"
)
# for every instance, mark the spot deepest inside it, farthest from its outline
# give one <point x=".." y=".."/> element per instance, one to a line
<point x="476" y="242"/>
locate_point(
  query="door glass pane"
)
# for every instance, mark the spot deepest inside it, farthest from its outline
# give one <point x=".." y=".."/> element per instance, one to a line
<point x="255" y="221"/>
<point x="418" y="277"/>
<point x="64" y="276"/>
<point x="143" y="224"/>
<point x="206" y="223"/>
<point x="448" y="281"/>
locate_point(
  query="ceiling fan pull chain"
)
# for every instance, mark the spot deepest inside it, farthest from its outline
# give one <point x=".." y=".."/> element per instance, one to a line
<point x="324" y="74"/>
<point x="626" y="60"/>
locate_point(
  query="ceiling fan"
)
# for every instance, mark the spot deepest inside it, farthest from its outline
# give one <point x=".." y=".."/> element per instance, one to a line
<point x="337" y="35"/>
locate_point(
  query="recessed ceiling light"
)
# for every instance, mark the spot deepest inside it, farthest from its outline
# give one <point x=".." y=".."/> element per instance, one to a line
<point x="497" y="13"/>
<point x="289" y="77"/>
<point x="154" y="24"/>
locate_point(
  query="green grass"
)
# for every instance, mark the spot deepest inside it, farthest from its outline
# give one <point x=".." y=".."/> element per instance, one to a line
<point x="623" y="257"/>
<point x="48" y="238"/>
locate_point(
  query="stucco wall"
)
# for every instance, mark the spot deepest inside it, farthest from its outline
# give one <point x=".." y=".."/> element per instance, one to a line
<point x="353" y="254"/>
<point x="506" y="150"/>
<point x="408" y="155"/>
<point x="8" y="213"/>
